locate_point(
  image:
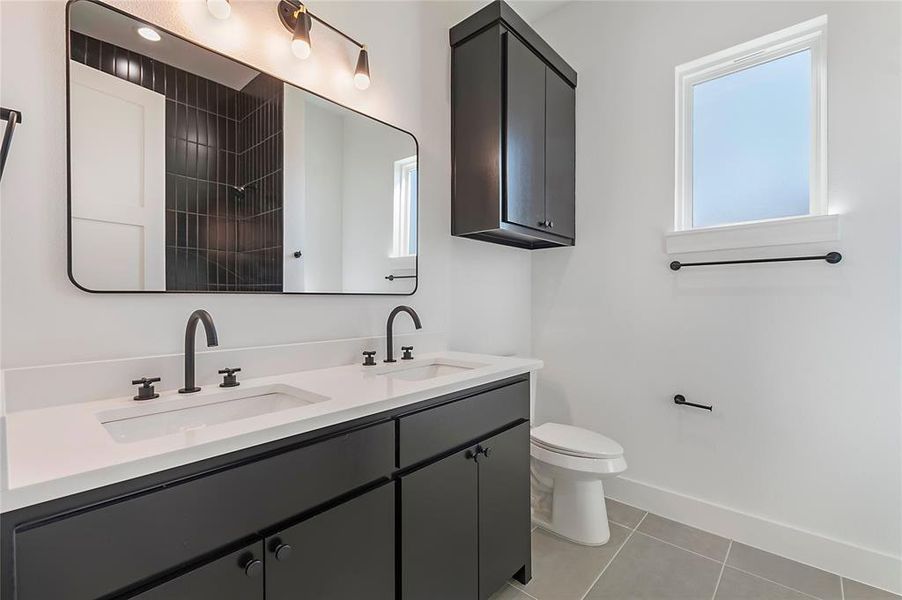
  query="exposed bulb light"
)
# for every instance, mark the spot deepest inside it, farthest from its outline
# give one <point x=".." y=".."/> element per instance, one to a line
<point x="300" y="41"/>
<point x="362" y="72"/>
<point x="149" y="34"/>
<point x="221" y="9"/>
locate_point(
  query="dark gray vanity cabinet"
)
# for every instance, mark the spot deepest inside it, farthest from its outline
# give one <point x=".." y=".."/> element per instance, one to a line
<point x="345" y="552"/>
<point x="236" y="576"/>
<point x="513" y="123"/>
<point x="465" y="518"/>
<point x="421" y="502"/>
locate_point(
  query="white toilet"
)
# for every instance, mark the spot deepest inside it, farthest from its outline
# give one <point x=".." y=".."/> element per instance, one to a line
<point x="568" y="467"/>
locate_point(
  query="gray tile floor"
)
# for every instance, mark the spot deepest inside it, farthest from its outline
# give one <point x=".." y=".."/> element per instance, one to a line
<point x="653" y="558"/>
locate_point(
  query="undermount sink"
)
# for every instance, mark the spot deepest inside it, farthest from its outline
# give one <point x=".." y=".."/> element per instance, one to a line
<point x="430" y="369"/>
<point x="191" y="413"/>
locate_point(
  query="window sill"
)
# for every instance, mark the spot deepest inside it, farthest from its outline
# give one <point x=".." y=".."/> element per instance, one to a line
<point x="777" y="232"/>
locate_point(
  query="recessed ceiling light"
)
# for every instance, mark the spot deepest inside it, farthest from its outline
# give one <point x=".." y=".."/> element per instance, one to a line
<point x="149" y="34"/>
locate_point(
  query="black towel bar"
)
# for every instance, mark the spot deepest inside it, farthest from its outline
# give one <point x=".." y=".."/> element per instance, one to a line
<point x="830" y="257"/>
<point x="681" y="399"/>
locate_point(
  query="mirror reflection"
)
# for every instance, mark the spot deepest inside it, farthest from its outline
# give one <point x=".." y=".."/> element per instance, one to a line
<point x="191" y="172"/>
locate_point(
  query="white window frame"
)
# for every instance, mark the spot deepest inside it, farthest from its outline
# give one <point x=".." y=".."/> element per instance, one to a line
<point x="401" y="230"/>
<point x="809" y="35"/>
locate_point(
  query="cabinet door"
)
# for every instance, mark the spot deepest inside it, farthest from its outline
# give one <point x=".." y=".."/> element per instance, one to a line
<point x="560" y="155"/>
<point x="237" y="576"/>
<point x="504" y="519"/>
<point x="525" y="142"/>
<point x="346" y="552"/>
<point x="439" y="553"/>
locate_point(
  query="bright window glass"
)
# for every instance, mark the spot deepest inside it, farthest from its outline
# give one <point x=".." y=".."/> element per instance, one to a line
<point x="751" y="143"/>
<point x="405" y="221"/>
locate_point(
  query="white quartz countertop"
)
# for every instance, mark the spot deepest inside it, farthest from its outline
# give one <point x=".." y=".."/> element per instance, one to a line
<point x="54" y="452"/>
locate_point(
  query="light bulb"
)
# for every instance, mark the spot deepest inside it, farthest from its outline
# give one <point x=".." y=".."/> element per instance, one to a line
<point x="362" y="72"/>
<point x="149" y="34"/>
<point x="361" y="81"/>
<point x="300" y="48"/>
<point x="221" y="9"/>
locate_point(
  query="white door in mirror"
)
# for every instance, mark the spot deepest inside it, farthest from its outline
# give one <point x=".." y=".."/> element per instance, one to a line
<point x="118" y="182"/>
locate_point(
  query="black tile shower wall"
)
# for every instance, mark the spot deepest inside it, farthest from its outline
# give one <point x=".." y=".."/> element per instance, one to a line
<point x="217" y="239"/>
<point x="260" y="172"/>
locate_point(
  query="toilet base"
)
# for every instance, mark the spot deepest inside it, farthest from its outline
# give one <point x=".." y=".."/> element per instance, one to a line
<point x="578" y="512"/>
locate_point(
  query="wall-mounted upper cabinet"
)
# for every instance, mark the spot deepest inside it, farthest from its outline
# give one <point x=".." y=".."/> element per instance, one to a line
<point x="513" y="123"/>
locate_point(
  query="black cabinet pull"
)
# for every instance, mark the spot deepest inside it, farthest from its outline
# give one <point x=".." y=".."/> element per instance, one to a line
<point x="282" y="552"/>
<point x="253" y="568"/>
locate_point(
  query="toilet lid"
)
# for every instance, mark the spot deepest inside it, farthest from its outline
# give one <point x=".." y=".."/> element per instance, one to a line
<point x="575" y="441"/>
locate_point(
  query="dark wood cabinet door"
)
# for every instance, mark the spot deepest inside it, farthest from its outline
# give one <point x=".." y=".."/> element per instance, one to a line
<point x="231" y="577"/>
<point x="439" y="553"/>
<point x="504" y="519"/>
<point x="345" y="552"/>
<point x="525" y="142"/>
<point x="560" y="155"/>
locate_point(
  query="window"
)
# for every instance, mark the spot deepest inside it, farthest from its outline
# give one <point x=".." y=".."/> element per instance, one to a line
<point x="750" y="131"/>
<point x="405" y="227"/>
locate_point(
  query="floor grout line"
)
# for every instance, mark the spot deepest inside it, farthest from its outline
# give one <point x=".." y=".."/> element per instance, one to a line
<point x="735" y="568"/>
<point x="522" y="591"/>
<point x="589" y="589"/>
<point x="625" y="526"/>
<point x="722" y="569"/>
<point x="681" y="548"/>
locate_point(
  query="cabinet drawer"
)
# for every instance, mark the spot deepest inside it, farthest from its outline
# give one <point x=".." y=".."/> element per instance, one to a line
<point x="114" y="546"/>
<point x="433" y="431"/>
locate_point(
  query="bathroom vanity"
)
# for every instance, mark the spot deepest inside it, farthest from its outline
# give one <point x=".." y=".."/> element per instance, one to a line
<point x="408" y="480"/>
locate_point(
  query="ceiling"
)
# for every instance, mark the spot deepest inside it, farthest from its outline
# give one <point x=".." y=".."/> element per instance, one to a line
<point x="110" y="26"/>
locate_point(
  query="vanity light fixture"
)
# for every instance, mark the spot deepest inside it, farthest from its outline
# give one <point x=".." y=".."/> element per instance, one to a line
<point x="298" y="20"/>
<point x="362" y="72"/>
<point x="149" y="34"/>
<point x="221" y="9"/>
<point x="300" y="41"/>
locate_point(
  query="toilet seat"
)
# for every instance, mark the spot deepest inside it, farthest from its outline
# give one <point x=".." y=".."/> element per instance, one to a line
<point x="575" y="441"/>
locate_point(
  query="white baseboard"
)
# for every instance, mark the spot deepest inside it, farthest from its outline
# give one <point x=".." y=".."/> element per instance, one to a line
<point x="848" y="560"/>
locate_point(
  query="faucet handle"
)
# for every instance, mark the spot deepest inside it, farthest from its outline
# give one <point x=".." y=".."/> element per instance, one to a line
<point x="369" y="361"/>
<point x="408" y="352"/>
<point x="146" y="391"/>
<point x="230" y="380"/>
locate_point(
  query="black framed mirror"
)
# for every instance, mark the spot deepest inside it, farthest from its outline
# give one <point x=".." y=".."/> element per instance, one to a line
<point x="192" y="172"/>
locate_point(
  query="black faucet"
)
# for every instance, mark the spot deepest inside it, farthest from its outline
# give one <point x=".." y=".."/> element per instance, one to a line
<point x="190" y="330"/>
<point x="389" y="355"/>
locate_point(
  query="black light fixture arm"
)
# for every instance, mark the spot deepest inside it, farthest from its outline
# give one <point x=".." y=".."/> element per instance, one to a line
<point x="290" y="8"/>
<point x="12" y="118"/>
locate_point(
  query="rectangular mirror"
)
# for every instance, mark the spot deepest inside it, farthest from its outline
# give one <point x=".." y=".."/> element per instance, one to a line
<point x="192" y="172"/>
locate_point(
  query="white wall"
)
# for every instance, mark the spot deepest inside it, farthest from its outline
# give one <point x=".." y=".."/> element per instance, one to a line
<point x="801" y="361"/>
<point x="47" y="320"/>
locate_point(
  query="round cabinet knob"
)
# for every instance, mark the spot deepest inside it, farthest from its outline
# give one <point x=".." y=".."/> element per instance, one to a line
<point x="486" y="452"/>
<point x="253" y="568"/>
<point x="283" y="552"/>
